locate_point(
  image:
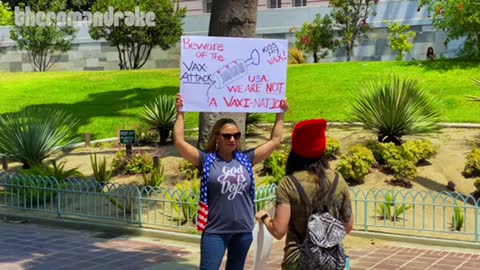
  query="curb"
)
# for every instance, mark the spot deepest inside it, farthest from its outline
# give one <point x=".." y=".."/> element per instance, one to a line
<point x="417" y="240"/>
<point x="120" y="229"/>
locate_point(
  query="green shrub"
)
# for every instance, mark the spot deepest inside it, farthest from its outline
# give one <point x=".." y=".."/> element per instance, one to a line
<point x="333" y="148"/>
<point x="395" y="107"/>
<point x="421" y="150"/>
<point x="57" y="171"/>
<point x="389" y="209"/>
<point x="185" y="199"/>
<point x="356" y="164"/>
<point x="145" y="136"/>
<point x="403" y="169"/>
<point x="377" y="149"/>
<point x="457" y="219"/>
<point x="156" y="177"/>
<point x="137" y="164"/>
<point x="35" y="134"/>
<point x="160" y="115"/>
<point x="188" y="170"/>
<point x="119" y="162"/>
<point x="472" y="165"/>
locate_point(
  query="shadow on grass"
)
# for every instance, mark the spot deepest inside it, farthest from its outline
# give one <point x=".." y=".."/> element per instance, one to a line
<point x="444" y="65"/>
<point x="109" y="104"/>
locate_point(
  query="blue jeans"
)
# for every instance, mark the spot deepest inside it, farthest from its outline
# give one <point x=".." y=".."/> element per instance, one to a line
<point x="213" y="246"/>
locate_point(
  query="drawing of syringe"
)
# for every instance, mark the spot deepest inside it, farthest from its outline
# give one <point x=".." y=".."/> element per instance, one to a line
<point x="233" y="71"/>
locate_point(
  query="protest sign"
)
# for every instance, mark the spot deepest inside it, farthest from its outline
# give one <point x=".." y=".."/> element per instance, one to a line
<point x="224" y="74"/>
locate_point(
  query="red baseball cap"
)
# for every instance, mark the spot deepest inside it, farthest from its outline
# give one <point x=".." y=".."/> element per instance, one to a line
<point x="309" y="138"/>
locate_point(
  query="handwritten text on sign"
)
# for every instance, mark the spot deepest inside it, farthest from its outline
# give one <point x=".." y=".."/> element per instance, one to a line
<point x="220" y="74"/>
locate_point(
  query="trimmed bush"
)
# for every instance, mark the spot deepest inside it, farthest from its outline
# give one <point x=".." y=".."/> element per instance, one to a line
<point x="333" y="148"/>
<point x="472" y="165"/>
<point x="421" y="150"/>
<point x="356" y="164"/>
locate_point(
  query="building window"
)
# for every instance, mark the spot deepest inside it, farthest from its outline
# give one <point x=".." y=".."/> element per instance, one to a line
<point x="299" y="3"/>
<point x="207" y="6"/>
<point x="274" y="3"/>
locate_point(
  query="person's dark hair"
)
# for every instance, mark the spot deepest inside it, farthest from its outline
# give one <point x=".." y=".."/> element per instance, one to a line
<point x="217" y="127"/>
<point x="316" y="166"/>
<point x="430" y="52"/>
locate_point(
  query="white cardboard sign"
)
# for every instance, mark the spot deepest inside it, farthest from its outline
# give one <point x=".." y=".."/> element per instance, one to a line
<point x="224" y="74"/>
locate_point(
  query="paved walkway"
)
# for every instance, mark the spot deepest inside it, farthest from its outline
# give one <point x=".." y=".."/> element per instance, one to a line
<point x="31" y="246"/>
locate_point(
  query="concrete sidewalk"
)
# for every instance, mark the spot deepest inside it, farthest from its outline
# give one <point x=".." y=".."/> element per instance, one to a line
<point x="32" y="246"/>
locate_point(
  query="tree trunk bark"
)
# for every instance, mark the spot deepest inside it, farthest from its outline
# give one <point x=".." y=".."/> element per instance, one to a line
<point x="229" y="18"/>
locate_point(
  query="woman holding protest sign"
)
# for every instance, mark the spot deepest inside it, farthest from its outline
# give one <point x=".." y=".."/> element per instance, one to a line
<point x="226" y="214"/>
<point x="308" y="192"/>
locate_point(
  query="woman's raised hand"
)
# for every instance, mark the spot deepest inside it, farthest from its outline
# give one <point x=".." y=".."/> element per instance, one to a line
<point x="179" y="102"/>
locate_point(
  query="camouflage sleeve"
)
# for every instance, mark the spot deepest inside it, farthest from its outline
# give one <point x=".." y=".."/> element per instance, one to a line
<point x="282" y="191"/>
<point x="346" y="204"/>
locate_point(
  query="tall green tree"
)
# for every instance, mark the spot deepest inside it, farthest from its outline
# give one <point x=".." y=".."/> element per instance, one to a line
<point x="6" y="14"/>
<point x="44" y="44"/>
<point x="459" y="18"/>
<point x="228" y="18"/>
<point x="316" y="37"/>
<point x="351" y="16"/>
<point x="135" y="43"/>
<point x="400" y="39"/>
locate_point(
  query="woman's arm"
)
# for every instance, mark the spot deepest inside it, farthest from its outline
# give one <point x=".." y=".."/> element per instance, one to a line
<point x="187" y="151"/>
<point x="277" y="226"/>
<point x="265" y="150"/>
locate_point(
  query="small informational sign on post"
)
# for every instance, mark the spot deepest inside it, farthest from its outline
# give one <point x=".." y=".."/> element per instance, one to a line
<point x="127" y="137"/>
<point x="225" y="74"/>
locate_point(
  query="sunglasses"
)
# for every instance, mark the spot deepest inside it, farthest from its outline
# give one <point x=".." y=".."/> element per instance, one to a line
<point x="228" y="136"/>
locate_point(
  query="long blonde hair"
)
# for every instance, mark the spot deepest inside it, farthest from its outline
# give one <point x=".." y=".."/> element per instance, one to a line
<point x="217" y="127"/>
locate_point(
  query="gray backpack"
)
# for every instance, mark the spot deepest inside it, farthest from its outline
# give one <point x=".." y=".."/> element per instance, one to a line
<point x="321" y="248"/>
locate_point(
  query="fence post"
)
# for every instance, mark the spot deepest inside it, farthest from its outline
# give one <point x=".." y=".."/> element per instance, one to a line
<point x="476" y="221"/>
<point x="59" y="199"/>
<point x="365" y="211"/>
<point x="156" y="162"/>
<point x="140" y="209"/>
<point x="88" y="137"/>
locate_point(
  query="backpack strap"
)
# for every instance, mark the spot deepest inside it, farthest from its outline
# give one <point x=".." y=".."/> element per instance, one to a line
<point x="305" y="199"/>
<point x="301" y="191"/>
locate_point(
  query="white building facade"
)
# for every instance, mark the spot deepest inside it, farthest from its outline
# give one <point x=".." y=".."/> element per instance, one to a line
<point x="276" y="19"/>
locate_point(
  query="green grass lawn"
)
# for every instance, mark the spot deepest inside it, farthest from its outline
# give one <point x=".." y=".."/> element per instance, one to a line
<point x="111" y="100"/>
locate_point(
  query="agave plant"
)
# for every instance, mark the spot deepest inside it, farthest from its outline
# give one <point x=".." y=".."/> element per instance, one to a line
<point x="457" y="219"/>
<point x="389" y="209"/>
<point x="395" y="107"/>
<point x="56" y="170"/>
<point x="252" y="122"/>
<point x="36" y="134"/>
<point x="160" y="114"/>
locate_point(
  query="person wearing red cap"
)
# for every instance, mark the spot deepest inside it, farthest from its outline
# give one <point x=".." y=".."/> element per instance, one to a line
<point x="306" y="163"/>
<point x="227" y="192"/>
